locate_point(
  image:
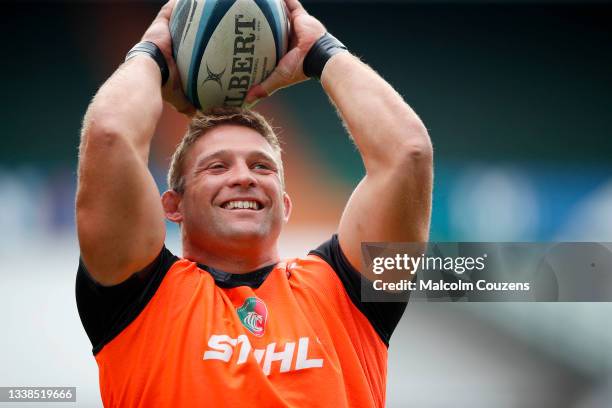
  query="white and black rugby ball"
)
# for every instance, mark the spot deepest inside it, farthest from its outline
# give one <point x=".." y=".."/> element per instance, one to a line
<point x="224" y="47"/>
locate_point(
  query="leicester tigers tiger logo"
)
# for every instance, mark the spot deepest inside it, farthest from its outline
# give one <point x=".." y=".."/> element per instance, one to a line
<point x="253" y="314"/>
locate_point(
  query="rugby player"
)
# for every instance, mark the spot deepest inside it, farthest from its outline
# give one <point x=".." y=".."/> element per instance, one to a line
<point x="229" y="323"/>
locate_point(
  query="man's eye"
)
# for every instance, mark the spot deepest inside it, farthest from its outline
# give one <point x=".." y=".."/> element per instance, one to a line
<point x="216" y="166"/>
<point x="262" y="166"/>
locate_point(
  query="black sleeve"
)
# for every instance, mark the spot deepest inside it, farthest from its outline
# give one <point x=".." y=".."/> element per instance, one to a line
<point x="383" y="316"/>
<point x="106" y="310"/>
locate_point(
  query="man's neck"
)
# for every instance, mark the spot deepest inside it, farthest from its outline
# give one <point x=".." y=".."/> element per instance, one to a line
<point x="232" y="260"/>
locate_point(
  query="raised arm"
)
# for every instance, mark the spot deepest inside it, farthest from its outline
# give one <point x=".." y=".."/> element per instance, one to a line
<point x="120" y="221"/>
<point x="393" y="201"/>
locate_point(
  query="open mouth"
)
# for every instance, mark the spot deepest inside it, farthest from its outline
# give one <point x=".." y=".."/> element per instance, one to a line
<point x="242" y="205"/>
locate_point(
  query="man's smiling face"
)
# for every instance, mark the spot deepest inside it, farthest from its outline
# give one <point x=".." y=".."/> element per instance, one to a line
<point x="233" y="189"/>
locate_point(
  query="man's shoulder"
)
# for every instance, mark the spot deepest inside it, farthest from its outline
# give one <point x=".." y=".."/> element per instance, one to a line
<point x="320" y="260"/>
<point x="328" y="269"/>
<point x="323" y="269"/>
<point x="106" y="310"/>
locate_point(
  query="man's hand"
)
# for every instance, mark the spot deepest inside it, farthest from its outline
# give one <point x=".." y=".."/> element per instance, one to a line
<point x="159" y="34"/>
<point x="306" y="30"/>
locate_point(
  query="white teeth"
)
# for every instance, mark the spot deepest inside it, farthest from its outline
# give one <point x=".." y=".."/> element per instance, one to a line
<point x="241" y="204"/>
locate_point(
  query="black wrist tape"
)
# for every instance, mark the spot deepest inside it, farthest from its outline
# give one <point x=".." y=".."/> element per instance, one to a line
<point x="152" y="50"/>
<point x="322" y="50"/>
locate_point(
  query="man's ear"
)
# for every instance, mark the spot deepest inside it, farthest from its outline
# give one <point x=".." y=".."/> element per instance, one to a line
<point x="170" y="201"/>
<point x="288" y="206"/>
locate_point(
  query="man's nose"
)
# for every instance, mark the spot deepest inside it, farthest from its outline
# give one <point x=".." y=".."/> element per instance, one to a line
<point x="242" y="176"/>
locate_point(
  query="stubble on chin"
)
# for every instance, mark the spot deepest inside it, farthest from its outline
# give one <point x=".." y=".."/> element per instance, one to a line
<point x="240" y="230"/>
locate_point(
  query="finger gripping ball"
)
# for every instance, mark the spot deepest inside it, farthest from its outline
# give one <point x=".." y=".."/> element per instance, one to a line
<point x="224" y="47"/>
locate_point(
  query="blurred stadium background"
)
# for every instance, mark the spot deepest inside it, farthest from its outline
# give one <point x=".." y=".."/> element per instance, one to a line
<point x="517" y="96"/>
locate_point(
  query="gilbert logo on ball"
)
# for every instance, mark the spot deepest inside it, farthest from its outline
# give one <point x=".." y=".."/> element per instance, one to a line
<point x="253" y="314"/>
<point x="224" y="47"/>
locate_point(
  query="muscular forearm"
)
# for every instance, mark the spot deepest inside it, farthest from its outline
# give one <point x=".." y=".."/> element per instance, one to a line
<point x="383" y="126"/>
<point x="128" y="105"/>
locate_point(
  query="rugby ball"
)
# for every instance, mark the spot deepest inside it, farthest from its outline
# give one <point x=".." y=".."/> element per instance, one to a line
<point x="224" y="47"/>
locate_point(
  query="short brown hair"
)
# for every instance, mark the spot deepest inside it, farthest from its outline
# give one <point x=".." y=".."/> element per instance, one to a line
<point x="202" y="122"/>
